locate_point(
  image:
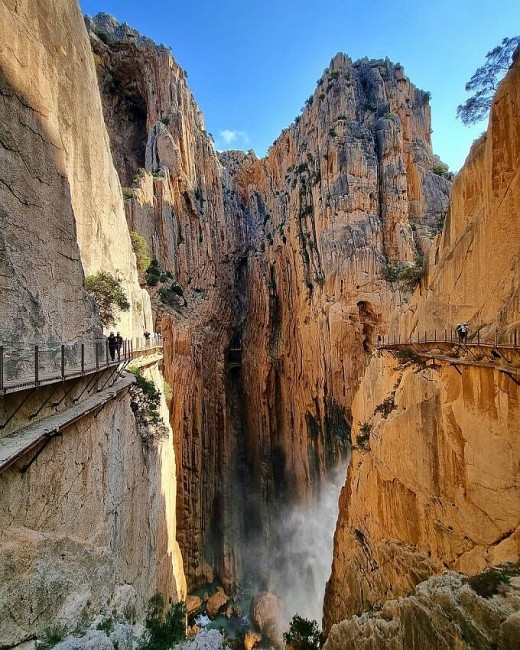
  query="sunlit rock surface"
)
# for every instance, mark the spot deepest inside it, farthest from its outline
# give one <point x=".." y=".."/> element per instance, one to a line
<point x="95" y="512"/>
<point x="438" y="485"/>
<point x="283" y="262"/>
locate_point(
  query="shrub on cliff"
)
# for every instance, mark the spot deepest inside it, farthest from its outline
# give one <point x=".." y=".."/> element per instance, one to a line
<point x="109" y="295"/>
<point x="51" y="635"/>
<point x="156" y="274"/>
<point x="145" y="404"/>
<point x="140" y="247"/>
<point x="303" y="634"/>
<point x="163" y="628"/>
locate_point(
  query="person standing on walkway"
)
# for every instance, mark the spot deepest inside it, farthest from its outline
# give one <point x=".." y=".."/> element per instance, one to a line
<point x="112" y="345"/>
<point x="464" y="332"/>
<point x="119" y="340"/>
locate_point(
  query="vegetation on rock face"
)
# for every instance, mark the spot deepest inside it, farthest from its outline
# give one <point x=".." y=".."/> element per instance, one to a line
<point x="363" y="437"/>
<point x="484" y="81"/>
<point x="164" y="628"/>
<point x="140" y="247"/>
<point x="108" y="294"/>
<point x="303" y="634"/>
<point x="407" y="275"/>
<point x="146" y="401"/>
<point x="171" y="295"/>
<point x="489" y="583"/>
<point x="441" y="169"/>
<point x="156" y="274"/>
<point x="51" y="635"/>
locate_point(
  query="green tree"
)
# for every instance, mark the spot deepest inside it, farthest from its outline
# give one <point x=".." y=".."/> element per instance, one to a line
<point x="303" y="634"/>
<point x="109" y="295"/>
<point x="484" y="82"/>
<point x="164" y="629"/>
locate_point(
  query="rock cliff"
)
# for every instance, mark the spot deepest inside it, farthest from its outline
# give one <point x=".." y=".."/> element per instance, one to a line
<point x="282" y="261"/>
<point x="92" y="521"/>
<point x="434" y="480"/>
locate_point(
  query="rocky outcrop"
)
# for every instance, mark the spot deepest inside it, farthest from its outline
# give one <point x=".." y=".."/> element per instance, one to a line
<point x="182" y="205"/>
<point x="444" y="612"/>
<point x="63" y="212"/>
<point x="434" y="481"/>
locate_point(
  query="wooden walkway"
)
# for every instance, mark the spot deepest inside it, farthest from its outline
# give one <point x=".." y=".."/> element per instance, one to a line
<point x="35" y="437"/>
<point x="501" y="357"/>
<point x="39" y="375"/>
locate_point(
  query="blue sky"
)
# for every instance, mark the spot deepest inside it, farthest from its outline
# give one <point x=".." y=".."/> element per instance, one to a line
<point x="252" y="63"/>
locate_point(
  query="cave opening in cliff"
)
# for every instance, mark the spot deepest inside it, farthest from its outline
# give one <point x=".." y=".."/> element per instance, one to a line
<point x="126" y="118"/>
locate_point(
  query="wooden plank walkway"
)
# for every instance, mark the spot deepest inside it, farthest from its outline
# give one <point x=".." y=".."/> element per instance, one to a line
<point x="47" y="378"/>
<point x="485" y="355"/>
<point x="19" y="443"/>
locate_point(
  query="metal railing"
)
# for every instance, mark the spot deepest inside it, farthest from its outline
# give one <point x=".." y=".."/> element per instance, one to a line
<point x="508" y="338"/>
<point x="31" y="366"/>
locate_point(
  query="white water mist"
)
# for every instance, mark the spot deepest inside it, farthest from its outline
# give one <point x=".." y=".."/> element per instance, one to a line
<point x="303" y="563"/>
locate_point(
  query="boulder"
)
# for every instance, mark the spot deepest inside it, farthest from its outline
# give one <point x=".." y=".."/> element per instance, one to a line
<point x="193" y="605"/>
<point x="266" y="614"/>
<point x="251" y="639"/>
<point x="215" y="602"/>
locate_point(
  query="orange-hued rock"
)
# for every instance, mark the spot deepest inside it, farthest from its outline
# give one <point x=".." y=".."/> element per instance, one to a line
<point x="437" y="483"/>
<point x="284" y="257"/>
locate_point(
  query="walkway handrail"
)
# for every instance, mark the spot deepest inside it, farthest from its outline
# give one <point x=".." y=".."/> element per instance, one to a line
<point x="26" y="367"/>
<point x="508" y="338"/>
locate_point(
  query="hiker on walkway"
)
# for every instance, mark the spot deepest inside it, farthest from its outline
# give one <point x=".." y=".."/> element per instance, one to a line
<point x="462" y="332"/>
<point x="112" y="345"/>
<point x="119" y="340"/>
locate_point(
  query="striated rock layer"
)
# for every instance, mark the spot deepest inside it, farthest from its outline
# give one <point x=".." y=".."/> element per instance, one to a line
<point x="282" y="261"/>
<point x="436" y="484"/>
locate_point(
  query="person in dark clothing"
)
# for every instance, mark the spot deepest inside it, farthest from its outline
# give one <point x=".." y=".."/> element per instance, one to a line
<point x="112" y="345"/>
<point x="119" y="340"/>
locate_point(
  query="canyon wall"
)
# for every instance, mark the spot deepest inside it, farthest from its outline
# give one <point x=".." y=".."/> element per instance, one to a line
<point x="89" y="527"/>
<point x="282" y="261"/>
<point x="433" y="482"/>
<point x="92" y="520"/>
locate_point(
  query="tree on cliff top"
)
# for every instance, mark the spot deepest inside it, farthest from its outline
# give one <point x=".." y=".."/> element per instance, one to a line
<point x="484" y="81"/>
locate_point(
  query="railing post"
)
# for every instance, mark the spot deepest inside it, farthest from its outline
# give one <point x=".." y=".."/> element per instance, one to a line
<point x="435" y="335"/>
<point x="496" y="337"/>
<point x="82" y="358"/>
<point x="62" y="362"/>
<point x="36" y="364"/>
<point x="478" y="337"/>
<point x="1" y="367"/>
<point x="514" y="339"/>
<point x="96" y="343"/>
<point x="106" y="351"/>
<point x="445" y="335"/>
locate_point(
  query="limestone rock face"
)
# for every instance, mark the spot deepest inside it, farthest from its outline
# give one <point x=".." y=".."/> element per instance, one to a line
<point x="436" y="483"/>
<point x="281" y="261"/>
<point x="444" y="612"/>
<point x="94" y="516"/>
<point x="62" y="210"/>
<point x="110" y="522"/>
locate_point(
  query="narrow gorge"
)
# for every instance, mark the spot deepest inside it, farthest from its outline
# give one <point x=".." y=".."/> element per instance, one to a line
<point x="272" y="289"/>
